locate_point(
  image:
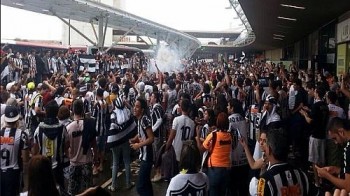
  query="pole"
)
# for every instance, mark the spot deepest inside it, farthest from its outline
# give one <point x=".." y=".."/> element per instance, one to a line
<point x="75" y="29"/>
<point x="69" y="32"/>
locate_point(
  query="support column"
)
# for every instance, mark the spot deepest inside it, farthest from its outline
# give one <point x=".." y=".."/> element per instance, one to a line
<point x="100" y="33"/>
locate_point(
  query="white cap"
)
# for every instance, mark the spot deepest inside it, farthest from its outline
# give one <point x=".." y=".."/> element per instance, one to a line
<point x="141" y="86"/>
<point x="149" y="88"/>
<point x="9" y="85"/>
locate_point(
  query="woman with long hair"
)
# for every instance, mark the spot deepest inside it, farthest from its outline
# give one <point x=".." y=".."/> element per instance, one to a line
<point x="218" y="143"/>
<point x="209" y="126"/>
<point x="40" y="177"/>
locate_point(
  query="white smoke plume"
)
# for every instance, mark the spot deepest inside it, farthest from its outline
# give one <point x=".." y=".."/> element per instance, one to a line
<point x="167" y="60"/>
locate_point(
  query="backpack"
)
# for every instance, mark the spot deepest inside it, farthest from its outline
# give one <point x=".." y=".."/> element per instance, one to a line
<point x="33" y="100"/>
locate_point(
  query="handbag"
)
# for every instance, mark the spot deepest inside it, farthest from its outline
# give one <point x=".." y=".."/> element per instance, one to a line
<point x="206" y="155"/>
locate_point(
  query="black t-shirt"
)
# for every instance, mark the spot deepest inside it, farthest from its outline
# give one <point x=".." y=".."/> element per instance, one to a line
<point x="301" y="97"/>
<point x="319" y="116"/>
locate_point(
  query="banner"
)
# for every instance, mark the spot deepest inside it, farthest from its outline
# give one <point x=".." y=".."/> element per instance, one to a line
<point x="341" y="59"/>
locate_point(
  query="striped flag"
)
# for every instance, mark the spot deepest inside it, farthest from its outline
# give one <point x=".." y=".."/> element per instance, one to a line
<point x="119" y="134"/>
<point x="87" y="62"/>
<point x="5" y="72"/>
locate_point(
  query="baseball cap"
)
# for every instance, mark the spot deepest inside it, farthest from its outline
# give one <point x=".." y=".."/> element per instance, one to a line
<point x="40" y="86"/>
<point x="141" y="86"/>
<point x="9" y="85"/>
<point x="11" y="114"/>
<point x="31" y="86"/>
<point x="271" y="99"/>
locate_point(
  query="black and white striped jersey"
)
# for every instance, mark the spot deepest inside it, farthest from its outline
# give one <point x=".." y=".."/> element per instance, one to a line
<point x="99" y="113"/>
<point x="283" y="179"/>
<point x="12" y="142"/>
<point x="146" y="152"/>
<point x="157" y="114"/>
<point x="346" y="161"/>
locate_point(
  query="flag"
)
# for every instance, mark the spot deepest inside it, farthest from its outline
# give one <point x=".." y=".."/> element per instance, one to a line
<point x="119" y="134"/>
<point x="87" y="62"/>
<point x="5" y="72"/>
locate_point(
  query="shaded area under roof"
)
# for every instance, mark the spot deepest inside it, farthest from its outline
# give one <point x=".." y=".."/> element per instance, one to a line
<point x="262" y="15"/>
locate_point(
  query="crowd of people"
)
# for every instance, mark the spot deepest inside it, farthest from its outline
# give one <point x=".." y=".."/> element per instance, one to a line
<point x="210" y="129"/>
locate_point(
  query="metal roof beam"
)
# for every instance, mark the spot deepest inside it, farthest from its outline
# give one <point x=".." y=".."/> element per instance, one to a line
<point x="75" y="29"/>
<point x="104" y="33"/>
<point x="93" y="29"/>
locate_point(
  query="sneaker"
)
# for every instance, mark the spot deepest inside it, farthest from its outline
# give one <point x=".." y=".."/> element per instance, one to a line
<point x="129" y="186"/>
<point x="111" y="188"/>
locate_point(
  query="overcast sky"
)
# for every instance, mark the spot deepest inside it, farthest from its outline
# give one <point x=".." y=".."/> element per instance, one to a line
<point x="205" y="15"/>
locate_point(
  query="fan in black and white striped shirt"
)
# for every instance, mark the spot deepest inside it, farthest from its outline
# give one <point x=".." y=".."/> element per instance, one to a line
<point x="99" y="113"/>
<point x="280" y="177"/>
<point x="143" y="141"/>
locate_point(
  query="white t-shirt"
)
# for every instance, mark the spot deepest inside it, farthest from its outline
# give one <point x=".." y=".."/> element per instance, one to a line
<point x="188" y="184"/>
<point x="336" y="111"/>
<point x="238" y="127"/>
<point x="59" y="100"/>
<point x="3" y="106"/>
<point x="184" y="128"/>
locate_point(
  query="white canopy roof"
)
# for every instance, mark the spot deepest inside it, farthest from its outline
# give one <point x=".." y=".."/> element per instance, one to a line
<point x="87" y="11"/>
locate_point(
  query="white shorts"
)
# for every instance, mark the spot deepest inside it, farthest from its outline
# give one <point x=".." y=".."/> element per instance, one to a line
<point x="317" y="151"/>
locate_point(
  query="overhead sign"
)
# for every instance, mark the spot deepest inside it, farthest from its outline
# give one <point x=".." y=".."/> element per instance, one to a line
<point x="343" y="31"/>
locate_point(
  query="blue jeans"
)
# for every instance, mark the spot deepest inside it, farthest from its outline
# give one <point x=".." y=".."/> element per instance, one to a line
<point x="101" y="143"/>
<point x="218" y="180"/>
<point x="10" y="182"/>
<point x="144" y="184"/>
<point x="125" y="150"/>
